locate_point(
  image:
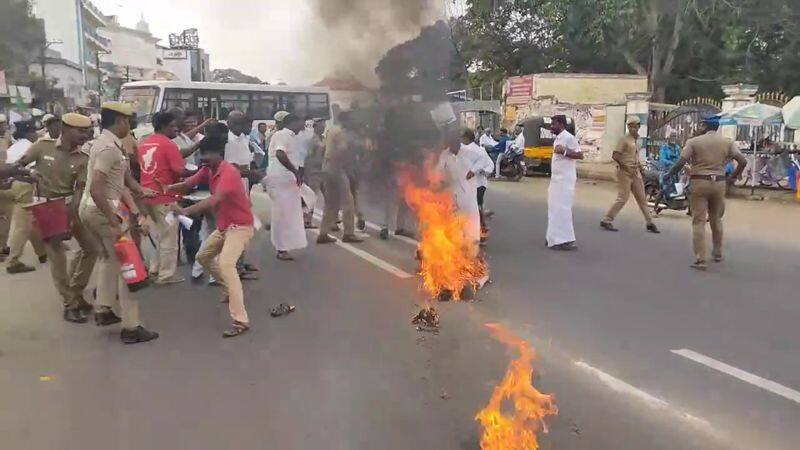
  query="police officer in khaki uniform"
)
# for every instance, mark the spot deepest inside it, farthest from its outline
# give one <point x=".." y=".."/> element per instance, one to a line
<point x="6" y="205"/>
<point x="20" y="192"/>
<point x="108" y="177"/>
<point x="629" y="178"/>
<point x="707" y="155"/>
<point x="60" y="167"/>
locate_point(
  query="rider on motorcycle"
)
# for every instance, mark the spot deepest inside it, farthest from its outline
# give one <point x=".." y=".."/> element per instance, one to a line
<point x="517" y="147"/>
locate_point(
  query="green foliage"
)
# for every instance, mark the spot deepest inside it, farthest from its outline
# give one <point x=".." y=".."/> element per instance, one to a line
<point x="428" y="65"/>
<point x="21" y="36"/>
<point x="233" y="76"/>
<point x="685" y="47"/>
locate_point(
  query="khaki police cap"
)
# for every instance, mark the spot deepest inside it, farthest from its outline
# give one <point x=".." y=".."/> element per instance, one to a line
<point x="634" y="120"/>
<point x="123" y="108"/>
<point x="3" y="118"/>
<point x="76" y="120"/>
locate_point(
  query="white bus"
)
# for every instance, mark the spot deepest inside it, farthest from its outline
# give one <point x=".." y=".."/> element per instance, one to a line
<point x="216" y="100"/>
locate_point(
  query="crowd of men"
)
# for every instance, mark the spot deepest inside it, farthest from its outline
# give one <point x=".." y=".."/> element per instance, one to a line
<point x="115" y="186"/>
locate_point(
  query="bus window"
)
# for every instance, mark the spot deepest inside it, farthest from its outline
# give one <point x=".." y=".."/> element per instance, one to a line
<point x="233" y="101"/>
<point x="318" y="107"/>
<point x="295" y="103"/>
<point x="264" y="106"/>
<point x="177" y="98"/>
<point x="143" y="100"/>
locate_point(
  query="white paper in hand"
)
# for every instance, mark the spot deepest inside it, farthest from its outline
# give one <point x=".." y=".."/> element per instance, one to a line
<point x="257" y="225"/>
<point x="186" y="221"/>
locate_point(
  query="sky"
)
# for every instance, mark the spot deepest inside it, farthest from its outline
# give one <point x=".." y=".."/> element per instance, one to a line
<point x="271" y="39"/>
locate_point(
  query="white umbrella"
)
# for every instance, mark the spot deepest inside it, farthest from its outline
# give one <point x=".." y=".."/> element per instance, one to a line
<point x="791" y="113"/>
<point x="756" y="115"/>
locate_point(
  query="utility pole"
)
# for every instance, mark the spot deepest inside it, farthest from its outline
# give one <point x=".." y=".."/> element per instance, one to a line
<point x="43" y="57"/>
<point x="100" y="72"/>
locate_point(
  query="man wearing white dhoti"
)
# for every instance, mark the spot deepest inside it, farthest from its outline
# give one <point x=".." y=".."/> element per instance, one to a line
<point x="459" y="165"/>
<point x="561" y="193"/>
<point x="283" y="181"/>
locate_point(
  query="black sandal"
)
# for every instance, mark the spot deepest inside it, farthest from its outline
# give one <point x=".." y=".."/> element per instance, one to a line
<point x="237" y="329"/>
<point x="281" y="310"/>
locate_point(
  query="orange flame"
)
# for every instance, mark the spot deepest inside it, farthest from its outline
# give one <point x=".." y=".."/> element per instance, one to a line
<point x="449" y="261"/>
<point x="515" y="430"/>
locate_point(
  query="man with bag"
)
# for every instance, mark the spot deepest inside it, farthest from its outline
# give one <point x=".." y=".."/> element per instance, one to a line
<point x="60" y="168"/>
<point x="108" y="176"/>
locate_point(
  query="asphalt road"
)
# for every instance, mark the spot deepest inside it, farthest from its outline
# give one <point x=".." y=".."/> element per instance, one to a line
<point x="348" y="371"/>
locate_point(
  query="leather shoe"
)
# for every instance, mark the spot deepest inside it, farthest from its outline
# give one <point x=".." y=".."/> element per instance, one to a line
<point x="608" y="226"/>
<point x="325" y="239"/>
<point x="106" y="318"/>
<point x="352" y="239"/>
<point x="137" y="335"/>
<point x="74" y="315"/>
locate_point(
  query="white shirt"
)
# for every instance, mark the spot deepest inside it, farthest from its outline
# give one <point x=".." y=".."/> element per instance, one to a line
<point x="17" y="150"/>
<point x="562" y="165"/>
<point x="455" y="169"/>
<point x="287" y="141"/>
<point x="519" y="143"/>
<point x="305" y="140"/>
<point x="482" y="164"/>
<point x="237" y="150"/>
<point x="486" y="140"/>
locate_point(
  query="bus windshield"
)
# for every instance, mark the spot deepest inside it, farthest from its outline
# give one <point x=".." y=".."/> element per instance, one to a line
<point x="143" y="100"/>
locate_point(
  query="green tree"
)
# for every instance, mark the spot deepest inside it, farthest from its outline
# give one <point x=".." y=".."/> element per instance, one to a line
<point x="233" y="76"/>
<point x="21" y="36"/>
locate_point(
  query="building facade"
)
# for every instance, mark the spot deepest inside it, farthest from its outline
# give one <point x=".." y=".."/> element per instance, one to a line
<point x="186" y="64"/>
<point x="75" y="45"/>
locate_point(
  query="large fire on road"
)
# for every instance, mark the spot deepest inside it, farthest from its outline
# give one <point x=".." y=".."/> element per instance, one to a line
<point x="449" y="262"/>
<point x="516" y="429"/>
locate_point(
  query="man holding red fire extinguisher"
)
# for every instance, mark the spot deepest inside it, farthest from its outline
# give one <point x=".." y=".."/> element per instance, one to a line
<point x="234" y="217"/>
<point x="108" y="179"/>
<point x="60" y="169"/>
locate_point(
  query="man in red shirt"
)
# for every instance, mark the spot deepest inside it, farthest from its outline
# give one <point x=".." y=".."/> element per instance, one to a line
<point x="234" y="216"/>
<point x="162" y="165"/>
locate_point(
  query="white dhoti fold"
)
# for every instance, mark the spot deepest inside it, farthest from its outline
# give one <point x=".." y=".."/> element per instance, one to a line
<point x="287" y="225"/>
<point x="560" y="197"/>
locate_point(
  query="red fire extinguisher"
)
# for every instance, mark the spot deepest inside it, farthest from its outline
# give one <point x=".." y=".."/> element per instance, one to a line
<point x="131" y="265"/>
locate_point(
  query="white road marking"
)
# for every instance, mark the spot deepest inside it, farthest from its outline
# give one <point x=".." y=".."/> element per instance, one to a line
<point x="622" y="387"/>
<point x="400" y="273"/>
<point x="755" y="380"/>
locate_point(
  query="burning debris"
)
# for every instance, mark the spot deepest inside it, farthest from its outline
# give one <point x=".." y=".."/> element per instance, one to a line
<point x="427" y="319"/>
<point x="517" y="429"/>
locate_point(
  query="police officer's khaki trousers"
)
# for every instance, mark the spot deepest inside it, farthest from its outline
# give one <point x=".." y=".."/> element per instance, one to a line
<point x="71" y="281"/>
<point x="22" y="230"/>
<point x="707" y="200"/>
<point x="6" y="210"/>
<point x="339" y="190"/>
<point x="112" y="292"/>
<point x="229" y="246"/>
<point x="628" y="184"/>
<point x="166" y="264"/>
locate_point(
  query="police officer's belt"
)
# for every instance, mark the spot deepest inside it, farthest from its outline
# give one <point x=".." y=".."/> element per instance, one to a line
<point x="709" y="177"/>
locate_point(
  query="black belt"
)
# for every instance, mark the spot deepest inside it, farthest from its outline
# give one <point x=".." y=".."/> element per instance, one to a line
<point x="710" y="177"/>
